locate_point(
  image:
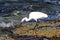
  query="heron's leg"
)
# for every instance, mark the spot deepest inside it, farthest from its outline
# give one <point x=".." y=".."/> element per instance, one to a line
<point x="35" y="26"/>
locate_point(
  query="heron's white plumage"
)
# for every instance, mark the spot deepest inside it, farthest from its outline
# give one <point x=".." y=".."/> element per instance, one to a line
<point x="35" y="16"/>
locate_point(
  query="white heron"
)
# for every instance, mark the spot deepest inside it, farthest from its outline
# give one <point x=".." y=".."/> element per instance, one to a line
<point x="35" y="16"/>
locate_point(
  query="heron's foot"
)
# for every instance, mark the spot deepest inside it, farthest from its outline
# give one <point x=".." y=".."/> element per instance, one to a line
<point x="33" y="28"/>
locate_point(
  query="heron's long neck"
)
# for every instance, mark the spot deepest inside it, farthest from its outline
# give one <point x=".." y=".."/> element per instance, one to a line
<point x="28" y="19"/>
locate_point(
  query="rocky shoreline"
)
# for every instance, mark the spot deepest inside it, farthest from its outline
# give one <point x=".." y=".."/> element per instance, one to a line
<point x="41" y="32"/>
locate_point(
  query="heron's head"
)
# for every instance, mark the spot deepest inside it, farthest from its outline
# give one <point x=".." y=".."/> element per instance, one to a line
<point x="24" y="19"/>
